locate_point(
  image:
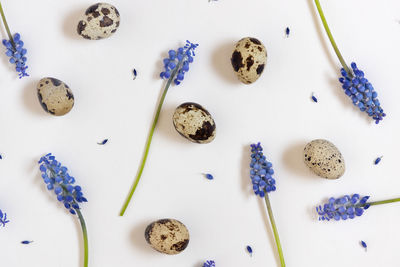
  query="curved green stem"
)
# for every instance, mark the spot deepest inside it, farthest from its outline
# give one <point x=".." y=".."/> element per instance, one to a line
<point x="6" y="25"/>
<point x="85" y="238"/>
<point x="374" y="203"/>
<point x="330" y="36"/>
<point x="148" y="142"/>
<point x="272" y="220"/>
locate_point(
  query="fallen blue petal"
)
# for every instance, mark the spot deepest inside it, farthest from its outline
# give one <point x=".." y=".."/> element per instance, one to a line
<point x="103" y="142"/>
<point x="26" y="242"/>
<point x="250" y="250"/>
<point x="287" y="31"/>
<point x="378" y="160"/>
<point x="363" y="244"/>
<point x="314" y="98"/>
<point x="209" y="176"/>
<point x="134" y="72"/>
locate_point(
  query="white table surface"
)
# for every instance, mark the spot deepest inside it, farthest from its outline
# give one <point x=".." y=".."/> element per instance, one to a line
<point x="223" y="216"/>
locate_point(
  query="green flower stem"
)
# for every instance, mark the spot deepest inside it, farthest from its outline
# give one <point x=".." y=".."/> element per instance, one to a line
<point x="328" y="32"/>
<point x="85" y="237"/>
<point x="278" y="242"/>
<point x="6" y="25"/>
<point x="374" y="203"/>
<point x="148" y="142"/>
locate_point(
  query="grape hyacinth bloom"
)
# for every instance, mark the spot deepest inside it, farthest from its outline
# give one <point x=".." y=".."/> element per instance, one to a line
<point x="347" y="207"/>
<point x="362" y="93"/>
<point x="57" y="179"/>
<point x="3" y="219"/>
<point x="15" y="48"/>
<point x="176" y="65"/>
<point x="209" y="264"/>
<point x="261" y="177"/>
<point x="354" y="84"/>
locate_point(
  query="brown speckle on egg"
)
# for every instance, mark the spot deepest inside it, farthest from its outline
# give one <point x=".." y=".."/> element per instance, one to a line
<point x="100" y="21"/>
<point x="324" y="159"/>
<point x="194" y="122"/>
<point x="167" y="236"/>
<point x="249" y="59"/>
<point x="54" y="96"/>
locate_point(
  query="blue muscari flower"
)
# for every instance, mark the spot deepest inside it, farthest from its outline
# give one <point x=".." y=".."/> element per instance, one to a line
<point x="261" y="172"/>
<point x="3" y="219"/>
<point x="17" y="54"/>
<point x="177" y="62"/>
<point x="362" y="93"/>
<point x="209" y="264"/>
<point x="343" y="208"/>
<point x="56" y="178"/>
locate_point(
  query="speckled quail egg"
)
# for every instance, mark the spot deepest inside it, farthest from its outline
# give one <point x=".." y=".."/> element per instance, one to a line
<point x="55" y="96"/>
<point x="324" y="159"/>
<point x="167" y="236"/>
<point x="195" y="123"/>
<point x="100" y="21"/>
<point x="249" y="59"/>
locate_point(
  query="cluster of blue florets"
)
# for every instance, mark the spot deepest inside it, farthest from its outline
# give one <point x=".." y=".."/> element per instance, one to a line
<point x="17" y="54"/>
<point x="3" y="219"/>
<point x="362" y="93"/>
<point x="261" y="172"/>
<point x="209" y="264"/>
<point x="57" y="178"/>
<point x="180" y="59"/>
<point x="343" y="208"/>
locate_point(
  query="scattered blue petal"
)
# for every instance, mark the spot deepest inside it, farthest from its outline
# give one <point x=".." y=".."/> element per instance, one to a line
<point x="103" y="142"/>
<point x="209" y="264"/>
<point x="378" y="160"/>
<point x="134" y="72"/>
<point x="57" y="178"/>
<point x="343" y="208"/>
<point x="26" y="242"/>
<point x="314" y="98"/>
<point x="362" y="93"/>
<point x="287" y="32"/>
<point x="363" y="244"/>
<point x="261" y="172"/>
<point x="249" y="250"/>
<point x="209" y="176"/>
<point x="1" y="157"/>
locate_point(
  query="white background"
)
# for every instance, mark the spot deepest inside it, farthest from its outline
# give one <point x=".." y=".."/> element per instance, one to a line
<point x="223" y="215"/>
